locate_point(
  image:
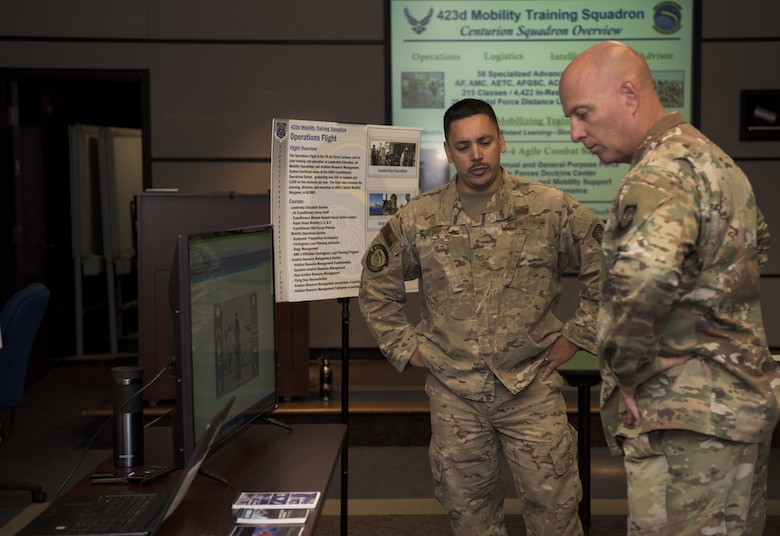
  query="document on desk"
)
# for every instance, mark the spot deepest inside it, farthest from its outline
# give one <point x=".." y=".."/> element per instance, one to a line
<point x="277" y="499"/>
<point x="268" y="530"/>
<point x="271" y="516"/>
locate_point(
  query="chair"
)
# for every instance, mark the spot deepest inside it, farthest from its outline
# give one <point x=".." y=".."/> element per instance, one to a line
<point x="20" y="318"/>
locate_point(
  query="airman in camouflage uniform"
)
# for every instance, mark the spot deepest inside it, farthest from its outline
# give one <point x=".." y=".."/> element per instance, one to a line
<point x="488" y="250"/>
<point x="690" y="390"/>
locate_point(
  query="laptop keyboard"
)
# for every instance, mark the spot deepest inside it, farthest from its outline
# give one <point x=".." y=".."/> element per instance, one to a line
<point x="114" y="513"/>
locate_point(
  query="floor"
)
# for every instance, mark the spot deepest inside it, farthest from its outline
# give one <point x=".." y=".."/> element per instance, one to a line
<point x="55" y="445"/>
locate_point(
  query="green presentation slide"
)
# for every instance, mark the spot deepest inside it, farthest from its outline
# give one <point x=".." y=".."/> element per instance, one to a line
<point x="511" y="54"/>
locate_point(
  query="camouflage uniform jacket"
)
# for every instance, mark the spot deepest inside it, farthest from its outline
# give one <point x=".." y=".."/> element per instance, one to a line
<point x="488" y="287"/>
<point x="680" y="275"/>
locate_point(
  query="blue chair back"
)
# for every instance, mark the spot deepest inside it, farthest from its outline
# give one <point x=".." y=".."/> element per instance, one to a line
<point x="20" y="318"/>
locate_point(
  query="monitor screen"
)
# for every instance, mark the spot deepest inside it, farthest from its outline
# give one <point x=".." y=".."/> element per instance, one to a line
<point x="224" y="333"/>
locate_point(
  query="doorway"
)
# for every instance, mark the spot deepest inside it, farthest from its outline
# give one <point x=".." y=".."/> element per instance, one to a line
<point x="35" y="227"/>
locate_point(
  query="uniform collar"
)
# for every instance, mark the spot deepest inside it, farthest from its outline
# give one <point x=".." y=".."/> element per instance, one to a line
<point x="500" y="203"/>
<point x="667" y="122"/>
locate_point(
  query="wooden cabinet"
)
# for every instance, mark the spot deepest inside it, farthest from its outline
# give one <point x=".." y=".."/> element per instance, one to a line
<point x="160" y="219"/>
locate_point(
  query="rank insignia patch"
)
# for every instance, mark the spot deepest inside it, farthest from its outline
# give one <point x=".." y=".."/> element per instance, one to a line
<point x="626" y="218"/>
<point x="598" y="233"/>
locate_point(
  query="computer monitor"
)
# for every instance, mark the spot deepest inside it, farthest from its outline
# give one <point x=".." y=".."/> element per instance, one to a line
<point x="224" y="333"/>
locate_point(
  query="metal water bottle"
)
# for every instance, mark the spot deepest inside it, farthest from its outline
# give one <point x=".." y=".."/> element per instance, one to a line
<point x="326" y="379"/>
<point x="128" y="416"/>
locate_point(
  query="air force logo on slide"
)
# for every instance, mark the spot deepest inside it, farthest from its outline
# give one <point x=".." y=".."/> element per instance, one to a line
<point x="418" y="25"/>
<point x="667" y="17"/>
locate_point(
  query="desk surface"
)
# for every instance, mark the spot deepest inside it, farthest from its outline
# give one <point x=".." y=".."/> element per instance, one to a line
<point x="263" y="458"/>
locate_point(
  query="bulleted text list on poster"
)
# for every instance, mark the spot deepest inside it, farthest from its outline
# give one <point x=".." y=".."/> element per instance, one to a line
<point x="333" y="186"/>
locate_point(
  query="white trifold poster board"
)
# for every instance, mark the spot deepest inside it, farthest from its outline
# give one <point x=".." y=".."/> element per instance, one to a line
<point x="333" y="186"/>
<point x="106" y="169"/>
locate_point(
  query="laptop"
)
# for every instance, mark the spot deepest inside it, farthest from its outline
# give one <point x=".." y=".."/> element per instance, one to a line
<point x="92" y="515"/>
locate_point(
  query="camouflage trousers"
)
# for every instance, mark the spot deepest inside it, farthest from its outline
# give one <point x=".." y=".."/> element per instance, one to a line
<point x="683" y="483"/>
<point x="532" y="430"/>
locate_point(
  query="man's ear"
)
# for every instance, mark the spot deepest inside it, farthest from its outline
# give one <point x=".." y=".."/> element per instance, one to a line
<point x="630" y="95"/>
<point x="447" y="150"/>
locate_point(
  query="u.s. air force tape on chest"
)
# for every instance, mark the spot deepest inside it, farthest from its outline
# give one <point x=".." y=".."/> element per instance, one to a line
<point x="376" y="258"/>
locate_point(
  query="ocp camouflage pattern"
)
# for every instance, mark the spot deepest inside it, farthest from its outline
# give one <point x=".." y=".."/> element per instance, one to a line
<point x="489" y="288"/>
<point x="680" y="275"/>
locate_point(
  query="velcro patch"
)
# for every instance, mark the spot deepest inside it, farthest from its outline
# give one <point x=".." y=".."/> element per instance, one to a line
<point x="389" y="235"/>
<point x="377" y="258"/>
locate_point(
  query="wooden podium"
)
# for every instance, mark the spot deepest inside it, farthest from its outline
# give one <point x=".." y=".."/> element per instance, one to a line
<point x="160" y="219"/>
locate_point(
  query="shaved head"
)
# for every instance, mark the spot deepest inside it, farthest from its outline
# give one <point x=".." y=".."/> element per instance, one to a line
<point x="610" y="63"/>
<point x="608" y="93"/>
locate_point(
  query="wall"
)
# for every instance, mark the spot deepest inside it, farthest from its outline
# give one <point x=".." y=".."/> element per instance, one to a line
<point x="739" y="44"/>
<point x="220" y="72"/>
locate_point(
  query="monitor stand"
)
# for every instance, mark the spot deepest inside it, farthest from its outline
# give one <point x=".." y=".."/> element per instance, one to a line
<point x="214" y="476"/>
<point x="276" y="422"/>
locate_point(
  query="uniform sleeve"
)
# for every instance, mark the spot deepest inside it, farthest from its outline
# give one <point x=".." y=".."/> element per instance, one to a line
<point x="651" y="234"/>
<point x="585" y="258"/>
<point x="763" y="238"/>
<point x="387" y="264"/>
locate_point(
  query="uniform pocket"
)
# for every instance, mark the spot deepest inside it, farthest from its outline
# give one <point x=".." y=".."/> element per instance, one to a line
<point x="541" y="460"/>
<point x="564" y="454"/>
<point x="436" y="462"/>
